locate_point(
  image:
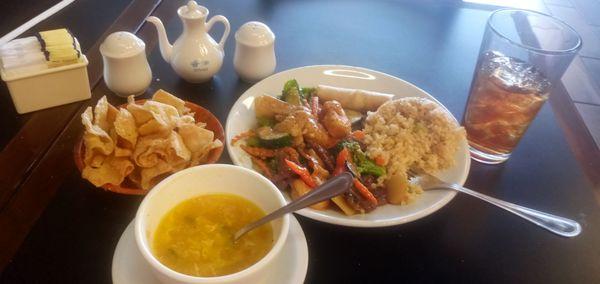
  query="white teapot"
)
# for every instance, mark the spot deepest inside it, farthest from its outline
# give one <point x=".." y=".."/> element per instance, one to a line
<point x="195" y="56"/>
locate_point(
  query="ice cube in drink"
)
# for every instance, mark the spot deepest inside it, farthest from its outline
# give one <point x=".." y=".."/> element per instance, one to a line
<point x="505" y="97"/>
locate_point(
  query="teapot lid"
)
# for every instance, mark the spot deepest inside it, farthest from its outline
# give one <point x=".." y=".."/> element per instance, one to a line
<point x="192" y="10"/>
<point x="122" y="44"/>
<point x="254" y="34"/>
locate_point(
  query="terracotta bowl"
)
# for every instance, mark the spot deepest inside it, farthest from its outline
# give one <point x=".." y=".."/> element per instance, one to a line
<point x="127" y="187"/>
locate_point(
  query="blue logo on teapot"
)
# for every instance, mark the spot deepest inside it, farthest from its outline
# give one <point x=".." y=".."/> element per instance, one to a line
<point x="199" y="65"/>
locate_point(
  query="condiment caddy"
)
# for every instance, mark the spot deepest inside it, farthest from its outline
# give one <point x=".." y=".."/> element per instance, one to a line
<point x="44" y="71"/>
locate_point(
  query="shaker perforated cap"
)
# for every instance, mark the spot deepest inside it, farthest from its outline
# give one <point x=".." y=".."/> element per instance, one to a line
<point x="254" y="34"/>
<point x="122" y="44"/>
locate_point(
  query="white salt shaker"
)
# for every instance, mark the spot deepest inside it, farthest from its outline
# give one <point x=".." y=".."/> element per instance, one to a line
<point x="254" y="57"/>
<point x="126" y="69"/>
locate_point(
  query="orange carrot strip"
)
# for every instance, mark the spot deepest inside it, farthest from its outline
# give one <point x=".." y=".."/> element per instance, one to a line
<point x="358" y="134"/>
<point x="380" y="161"/>
<point x="302" y="172"/>
<point x="340" y="162"/>
<point x="364" y="191"/>
<point x="262" y="165"/>
<point x="258" y="152"/>
<point x="241" y="136"/>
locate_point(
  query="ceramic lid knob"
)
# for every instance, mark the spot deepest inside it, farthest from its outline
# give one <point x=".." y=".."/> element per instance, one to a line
<point x="254" y="34"/>
<point x="122" y="44"/>
<point x="192" y="10"/>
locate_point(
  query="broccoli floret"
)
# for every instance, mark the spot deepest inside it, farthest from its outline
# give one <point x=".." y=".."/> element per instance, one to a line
<point x="368" y="167"/>
<point x="307" y="93"/>
<point x="291" y="93"/>
<point x="360" y="159"/>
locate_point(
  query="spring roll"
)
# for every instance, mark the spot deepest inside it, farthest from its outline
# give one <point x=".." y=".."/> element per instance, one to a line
<point x="355" y="99"/>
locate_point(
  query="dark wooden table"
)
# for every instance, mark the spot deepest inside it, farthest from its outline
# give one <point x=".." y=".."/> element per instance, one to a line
<point x="57" y="228"/>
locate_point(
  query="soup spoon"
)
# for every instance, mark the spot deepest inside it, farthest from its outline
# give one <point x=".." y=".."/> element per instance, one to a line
<point x="331" y="188"/>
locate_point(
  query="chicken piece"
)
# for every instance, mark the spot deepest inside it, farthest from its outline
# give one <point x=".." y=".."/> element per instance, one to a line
<point x="315" y="132"/>
<point x="302" y="125"/>
<point x="267" y="106"/>
<point x="335" y="120"/>
<point x="292" y="124"/>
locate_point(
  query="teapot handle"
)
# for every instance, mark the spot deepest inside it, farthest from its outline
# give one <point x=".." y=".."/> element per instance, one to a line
<point x="222" y="19"/>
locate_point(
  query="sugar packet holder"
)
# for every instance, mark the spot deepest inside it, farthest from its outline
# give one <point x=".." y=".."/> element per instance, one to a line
<point x="35" y="90"/>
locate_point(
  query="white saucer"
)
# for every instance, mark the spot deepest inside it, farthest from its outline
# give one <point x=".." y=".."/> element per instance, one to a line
<point x="129" y="267"/>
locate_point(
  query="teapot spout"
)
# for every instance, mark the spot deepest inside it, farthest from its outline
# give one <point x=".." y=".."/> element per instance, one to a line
<point x="163" y="42"/>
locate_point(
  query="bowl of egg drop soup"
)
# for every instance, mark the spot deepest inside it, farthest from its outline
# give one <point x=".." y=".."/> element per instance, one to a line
<point x="184" y="227"/>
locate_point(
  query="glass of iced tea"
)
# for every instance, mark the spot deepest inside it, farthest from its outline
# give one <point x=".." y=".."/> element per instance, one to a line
<point x="523" y="54"/>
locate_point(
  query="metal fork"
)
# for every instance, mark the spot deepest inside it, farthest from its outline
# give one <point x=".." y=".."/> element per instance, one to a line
<point x="555" y="224"/>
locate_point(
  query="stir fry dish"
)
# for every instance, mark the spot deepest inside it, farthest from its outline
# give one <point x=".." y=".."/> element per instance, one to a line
<point x="308" y="135"/>
<point x="302" y="140"/>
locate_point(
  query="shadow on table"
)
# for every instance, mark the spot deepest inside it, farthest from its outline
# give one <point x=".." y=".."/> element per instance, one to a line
<point x="483" y="178"/>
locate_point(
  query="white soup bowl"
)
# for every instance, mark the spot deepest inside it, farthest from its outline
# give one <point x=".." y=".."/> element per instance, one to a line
<point x="201" y="180"/>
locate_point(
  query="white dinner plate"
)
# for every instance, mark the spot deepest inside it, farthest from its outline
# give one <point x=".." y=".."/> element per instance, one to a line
<point x="129" y="266"/>
<point x="242" y="118"/>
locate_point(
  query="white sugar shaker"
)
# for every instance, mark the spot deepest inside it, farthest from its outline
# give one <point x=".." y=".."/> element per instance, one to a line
<point x="126" y="68"/>
<point x="254" y="57"/>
